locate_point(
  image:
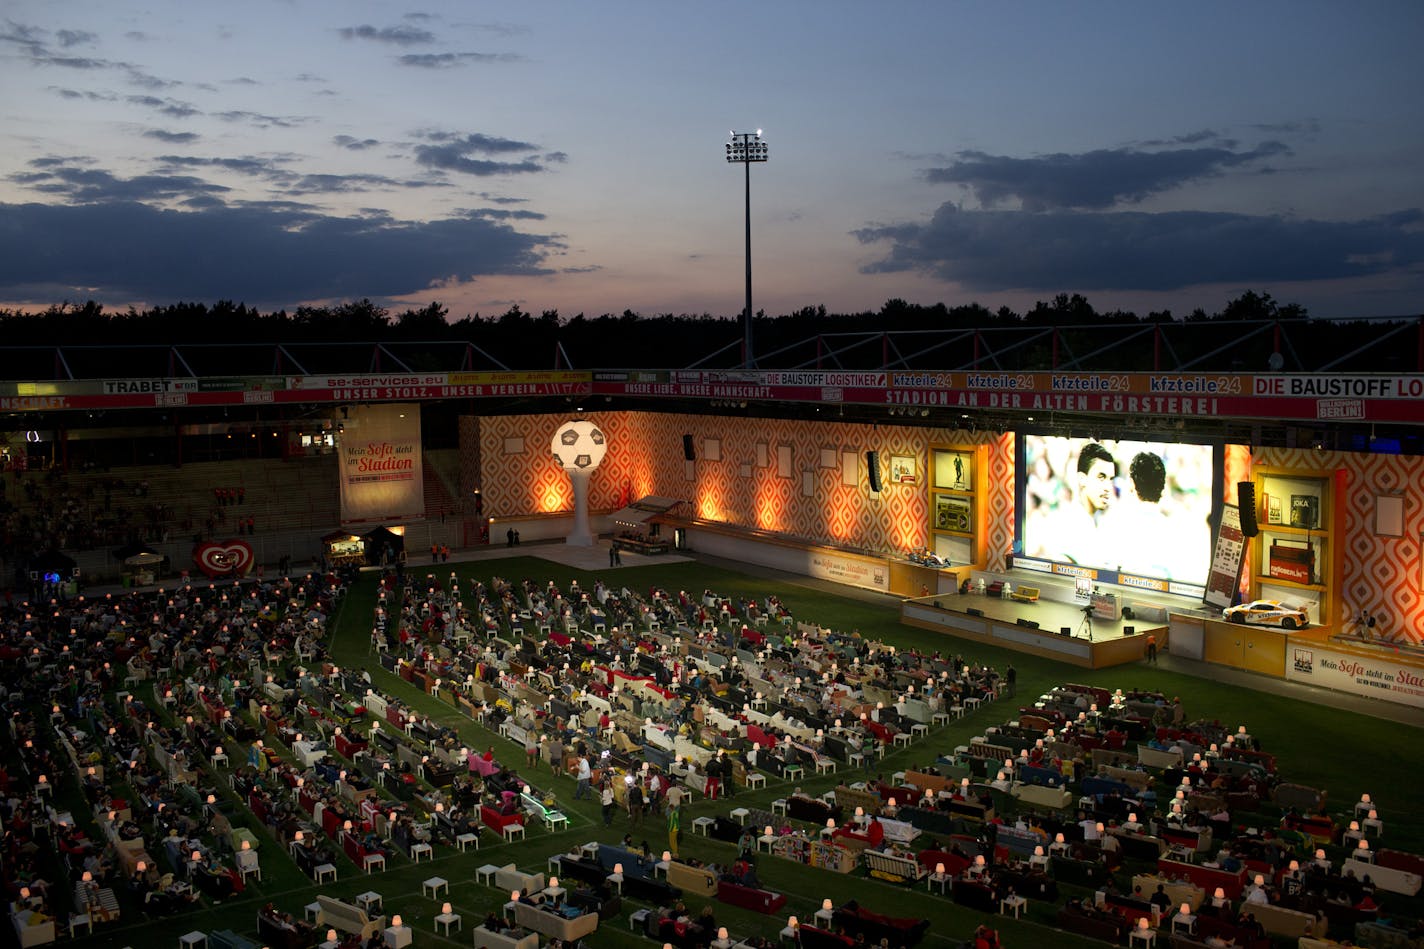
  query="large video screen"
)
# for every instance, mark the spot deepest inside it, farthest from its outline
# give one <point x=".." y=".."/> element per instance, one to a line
<point x="1134" y="507"/>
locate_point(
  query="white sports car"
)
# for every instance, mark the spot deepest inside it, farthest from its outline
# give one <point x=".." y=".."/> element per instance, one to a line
<point x="1267" y="613"/>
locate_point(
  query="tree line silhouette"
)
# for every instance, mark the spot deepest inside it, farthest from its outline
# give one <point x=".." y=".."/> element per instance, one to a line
<point x="1252" y="332"/>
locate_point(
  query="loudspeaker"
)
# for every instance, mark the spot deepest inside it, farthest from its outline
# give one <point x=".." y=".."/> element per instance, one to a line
<point x="1065" y="631"/>
<point x="974" y="612"/>
<point x="1246" y="498"/>
<point x="872" y="467"/>
<point x="1127" y="612"/>
<point x="1031" y="624"/>
<point x="688" y="451"/>
<point x="1129" y="630"/>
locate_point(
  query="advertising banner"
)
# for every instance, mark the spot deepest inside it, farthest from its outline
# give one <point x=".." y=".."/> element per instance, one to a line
<point x="382" y="475"/>
<point x="1379" y="677"/>
<point x="854" y="571"/>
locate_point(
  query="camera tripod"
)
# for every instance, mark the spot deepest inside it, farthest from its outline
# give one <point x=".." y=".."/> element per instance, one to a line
<point x="1086" y="627"/>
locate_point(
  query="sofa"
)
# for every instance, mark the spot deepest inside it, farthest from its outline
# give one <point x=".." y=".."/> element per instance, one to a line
<point x="279" y="935"/>
<point x="553" y="923"/>
<point x="32" y="928"/>
<point x="1093" y="924"/>
<point x="347" y="918"/>
<point x="510" y="878"/>
<point x="695" y="880"/>
<point x="872" y="836"/>
<point x="505" y="939"/>
<point x="638" y="879"/>
<point x="854" y="919"/>
<point x="1280" y="921"/>
<point x="227" y="939"/>
<point x="749" y="897"/>
<point x="493" y="819"/>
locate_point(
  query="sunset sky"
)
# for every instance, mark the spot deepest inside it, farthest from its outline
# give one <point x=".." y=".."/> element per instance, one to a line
<point x="570" y="156"/>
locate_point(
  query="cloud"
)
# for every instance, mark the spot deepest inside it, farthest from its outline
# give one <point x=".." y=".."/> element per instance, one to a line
<point x="170" y="107"/>
<point x="395" y="35"/>
<point x="68" y="38"/>
<point x="355" y="144"/>
<point x="448" y="60"/>
<point x="177" y="138"/>
<point x="452" y="152"/>
<point x="91" y="185"/>
<point x="261" y="120"/>
<point x="1092" y="180"/>
<point x="270" y="255"/>
<point x="1013" y="250"/>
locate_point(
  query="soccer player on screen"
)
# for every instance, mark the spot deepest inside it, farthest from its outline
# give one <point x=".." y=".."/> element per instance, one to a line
<point x="1074" y="533"/>
<point x="1096" y="470"/>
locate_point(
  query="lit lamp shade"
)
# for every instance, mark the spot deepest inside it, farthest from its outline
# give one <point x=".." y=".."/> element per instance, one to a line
<point x="1259" y="880"/>
<point x="247" y="845"/>
<point x="939" y="869"/>
<point x="1186" y="909"/>
<point x="1364" y="845"/>
<point x="553" y="882"/>
<point x="979" y="860"/>
<point x="1319" y="854"/>
<point x="792" y="922"/>
<point x="722" y="933"/>
<point x="860" y="812"/>
<point x="1038" y="850"/>
<point x="1220" y="894"/>
<point x="830" y="823"/>
<point x="768" y="830"/>
<point x="826" y="904"/>
<point x="396" y="920"/>
<point x="142" y="867"/>
<point x="1142" y="922"/>
<point x="1058" y="839"/>
<point x="667" y="856"/>
<point x="446" y="908"/>
<point x="618" y="868"/>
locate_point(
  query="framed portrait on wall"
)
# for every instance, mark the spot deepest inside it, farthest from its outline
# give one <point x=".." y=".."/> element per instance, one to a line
<point x="829" y="459"/>
<point x="903" y="469"/>
<point x="954" y="470"/>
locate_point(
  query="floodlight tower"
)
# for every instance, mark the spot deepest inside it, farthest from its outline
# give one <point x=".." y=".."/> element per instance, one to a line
<point x="747" y="147"/>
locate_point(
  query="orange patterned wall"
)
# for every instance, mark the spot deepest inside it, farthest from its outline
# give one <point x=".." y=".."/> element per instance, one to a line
<point x="1381" y="574"/>
<point x="645" y="457"/>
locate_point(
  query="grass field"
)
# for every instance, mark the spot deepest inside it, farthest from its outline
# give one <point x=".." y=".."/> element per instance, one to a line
<point x="1317" y="745"/>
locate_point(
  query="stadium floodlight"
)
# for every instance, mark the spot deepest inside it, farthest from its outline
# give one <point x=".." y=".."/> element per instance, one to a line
<point x="744" y="149"/>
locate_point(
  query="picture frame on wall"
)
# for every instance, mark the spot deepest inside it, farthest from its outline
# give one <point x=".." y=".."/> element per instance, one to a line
<point x="903" y="469"/>
<point x="952" y="513"/>
<point x="954" y="470"/>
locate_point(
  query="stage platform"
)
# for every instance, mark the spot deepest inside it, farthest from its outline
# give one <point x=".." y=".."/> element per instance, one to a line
<point x="1035" y="628"/>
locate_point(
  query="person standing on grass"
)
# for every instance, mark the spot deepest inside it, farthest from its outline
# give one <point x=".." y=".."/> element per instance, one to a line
<point x="606" y="798"/>
<point x="585" y="776"/>
<point x="674" y="824"/>
<point x="1152" y="648"/>
<point x="635" y="804"/>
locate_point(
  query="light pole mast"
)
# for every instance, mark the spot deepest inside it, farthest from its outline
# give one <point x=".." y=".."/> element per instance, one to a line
<point x="747" y="147"/>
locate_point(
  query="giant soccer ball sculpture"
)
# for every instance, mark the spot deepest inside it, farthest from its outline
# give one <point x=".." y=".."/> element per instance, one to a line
<point x="579" y="447"/>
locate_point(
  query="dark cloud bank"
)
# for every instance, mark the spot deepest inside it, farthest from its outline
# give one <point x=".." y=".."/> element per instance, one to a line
<point x="1074" y="227"/>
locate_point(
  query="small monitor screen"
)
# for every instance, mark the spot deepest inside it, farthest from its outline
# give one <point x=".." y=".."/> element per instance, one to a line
<point x="1134" y="507"/>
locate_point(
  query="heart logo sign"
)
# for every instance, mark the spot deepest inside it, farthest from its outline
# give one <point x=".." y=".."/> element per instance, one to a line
<point x="220" y="559"/>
